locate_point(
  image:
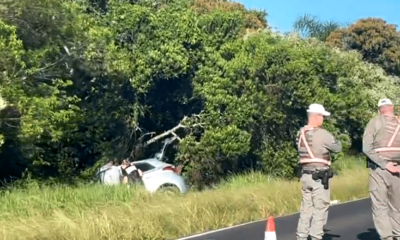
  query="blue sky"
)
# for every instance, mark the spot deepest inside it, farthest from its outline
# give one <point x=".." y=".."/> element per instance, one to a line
<point x="282" y="13"/>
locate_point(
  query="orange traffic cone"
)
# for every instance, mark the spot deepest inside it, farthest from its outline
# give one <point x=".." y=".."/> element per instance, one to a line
<point x="270" y="233"/>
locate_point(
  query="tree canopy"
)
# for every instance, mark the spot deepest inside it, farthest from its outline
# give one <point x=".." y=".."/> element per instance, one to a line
<point x="310" y="26"/>
<point x="376" y="40"/>
<point x="86" y="81"/>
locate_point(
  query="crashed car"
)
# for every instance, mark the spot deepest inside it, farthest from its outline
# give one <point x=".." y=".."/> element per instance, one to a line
<point x="155" y="174"/>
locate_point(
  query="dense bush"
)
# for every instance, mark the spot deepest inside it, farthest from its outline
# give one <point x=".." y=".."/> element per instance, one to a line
<point x="264" y="89"/>
<point x="101" y="77"/>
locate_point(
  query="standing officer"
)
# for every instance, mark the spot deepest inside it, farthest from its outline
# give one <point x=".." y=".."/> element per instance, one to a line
<point x="314" y="147"/>
<point x="381" y="144"/>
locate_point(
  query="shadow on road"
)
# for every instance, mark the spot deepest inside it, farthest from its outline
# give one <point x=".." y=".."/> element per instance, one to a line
<point x="370" y="235"/>
<point x="328" y="236"/>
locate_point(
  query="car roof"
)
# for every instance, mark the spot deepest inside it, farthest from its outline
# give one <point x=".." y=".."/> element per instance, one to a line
<point x="153" y="161"/>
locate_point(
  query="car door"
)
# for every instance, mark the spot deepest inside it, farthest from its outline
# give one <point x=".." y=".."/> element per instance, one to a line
<point x="147" y="170"/>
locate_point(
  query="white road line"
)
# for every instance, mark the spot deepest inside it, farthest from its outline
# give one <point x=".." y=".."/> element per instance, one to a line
<point x="334" y="202"/>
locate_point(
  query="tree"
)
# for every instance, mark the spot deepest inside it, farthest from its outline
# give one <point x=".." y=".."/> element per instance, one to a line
<point x="256" y="101"/>
<point x="310" y="26"/>
<point x="89" y="95"/>
<point x="376" y="40"/>
<point x="114" y="79"/>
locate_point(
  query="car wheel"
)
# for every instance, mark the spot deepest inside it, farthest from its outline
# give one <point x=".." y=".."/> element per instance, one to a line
<point x="169" y="189"/>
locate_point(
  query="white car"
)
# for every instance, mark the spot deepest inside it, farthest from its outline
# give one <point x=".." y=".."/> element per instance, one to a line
<point x="155" y="174"/>
<point x="158" y="175"/>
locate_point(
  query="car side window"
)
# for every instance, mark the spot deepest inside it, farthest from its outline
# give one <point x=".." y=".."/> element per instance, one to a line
<point x="144" y="166"/>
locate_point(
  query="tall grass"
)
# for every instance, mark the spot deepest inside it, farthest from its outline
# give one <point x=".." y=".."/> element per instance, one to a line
<point x="99" y="212"/>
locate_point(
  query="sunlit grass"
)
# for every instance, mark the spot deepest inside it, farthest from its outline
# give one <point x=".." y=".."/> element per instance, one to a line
<point x="100" y="212"/>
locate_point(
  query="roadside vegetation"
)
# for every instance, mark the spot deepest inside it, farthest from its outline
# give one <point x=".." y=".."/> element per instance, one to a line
<point x="86" y="81"/>
<point x="92" y="212"/>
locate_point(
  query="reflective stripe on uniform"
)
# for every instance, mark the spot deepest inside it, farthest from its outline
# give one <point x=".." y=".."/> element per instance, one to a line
<point x="315" y="160"/>
<point x="389" y="147"/>
<point x="312" y="158"/>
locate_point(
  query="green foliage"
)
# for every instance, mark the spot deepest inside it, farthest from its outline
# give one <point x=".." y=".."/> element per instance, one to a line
<point x="377" y="41"/>
<point x="266" y="88"/>
<point x="310" y="26"/>
<point x="103" y="75"/>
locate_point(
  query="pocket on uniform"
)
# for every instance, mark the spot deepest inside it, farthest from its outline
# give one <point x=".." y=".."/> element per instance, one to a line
<point x="374" y="181"/>
<point x="322" y="200"/>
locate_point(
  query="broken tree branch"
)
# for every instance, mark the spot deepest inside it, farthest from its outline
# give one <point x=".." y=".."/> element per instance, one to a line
<point x="176" y="136"/>
<point x="150" y="133"/>
<point x="169" y="132"/>
<point x="173" y="130"/>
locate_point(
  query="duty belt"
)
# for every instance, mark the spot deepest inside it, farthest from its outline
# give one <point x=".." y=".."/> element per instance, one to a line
<point x="372" y="165"/>
<point x="308" y="171"/>
<point x="312" y="170"/>
<point x="324" y="174"/>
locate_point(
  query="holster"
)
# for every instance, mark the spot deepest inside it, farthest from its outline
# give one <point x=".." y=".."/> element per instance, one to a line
<point x="371" y="164"/>
<point x="324" y="175"/>
<point x="299" y="171"/>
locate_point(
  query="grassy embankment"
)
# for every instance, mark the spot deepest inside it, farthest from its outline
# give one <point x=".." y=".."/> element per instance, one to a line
<point x="117" y="213"/>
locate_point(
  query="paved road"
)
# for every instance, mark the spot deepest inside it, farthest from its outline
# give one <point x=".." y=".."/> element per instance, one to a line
<point x="349" y="221"/>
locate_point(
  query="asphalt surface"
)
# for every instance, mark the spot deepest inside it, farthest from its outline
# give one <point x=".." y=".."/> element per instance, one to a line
<point x="348" y="221"/>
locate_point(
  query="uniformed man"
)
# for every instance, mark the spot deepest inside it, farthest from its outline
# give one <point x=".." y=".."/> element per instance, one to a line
<point x="314" y="147"/>
<point x="381" y="144"/>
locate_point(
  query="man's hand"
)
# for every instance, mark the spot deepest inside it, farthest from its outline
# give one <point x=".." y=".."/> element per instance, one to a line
<point x="392" y="167"/>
